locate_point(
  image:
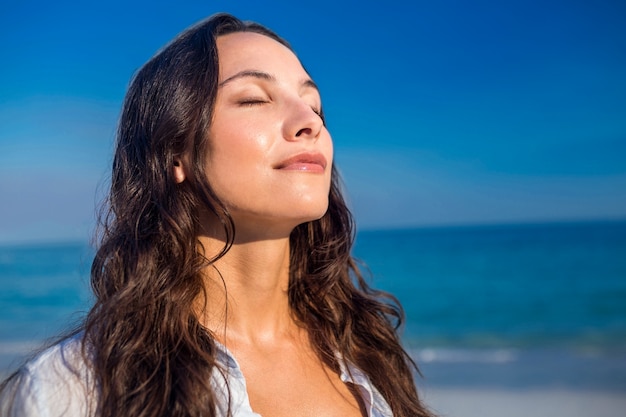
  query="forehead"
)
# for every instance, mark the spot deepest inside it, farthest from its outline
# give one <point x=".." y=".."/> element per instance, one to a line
<point x="248" y="50"/>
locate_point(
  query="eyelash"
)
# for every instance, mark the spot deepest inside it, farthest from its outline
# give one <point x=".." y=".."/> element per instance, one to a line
<point x="253" y="102"/>
<point x="317" y="111"/>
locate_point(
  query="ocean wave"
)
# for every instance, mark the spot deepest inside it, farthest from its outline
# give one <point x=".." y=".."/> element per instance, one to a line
<point x="430" y="355"/>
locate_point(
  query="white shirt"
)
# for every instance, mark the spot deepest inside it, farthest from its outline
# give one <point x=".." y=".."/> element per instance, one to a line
<point x="58" y="383"/>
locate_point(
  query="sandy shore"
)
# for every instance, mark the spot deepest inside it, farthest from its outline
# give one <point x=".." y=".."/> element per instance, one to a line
<point x="531" y="383"/>
<point x="487" y="402"/>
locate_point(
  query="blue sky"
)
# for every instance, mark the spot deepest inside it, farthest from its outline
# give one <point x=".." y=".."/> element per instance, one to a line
<point x="443" y="112"/>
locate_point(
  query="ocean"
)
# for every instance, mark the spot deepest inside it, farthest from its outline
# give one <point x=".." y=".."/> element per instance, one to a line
<point x="509" y="305"/>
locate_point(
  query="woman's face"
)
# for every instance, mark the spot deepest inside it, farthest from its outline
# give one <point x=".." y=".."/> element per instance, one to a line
<point x="270" y="156"/>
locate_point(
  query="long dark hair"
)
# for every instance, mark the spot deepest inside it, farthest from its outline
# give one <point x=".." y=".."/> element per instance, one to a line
<point x="149" y="353"/>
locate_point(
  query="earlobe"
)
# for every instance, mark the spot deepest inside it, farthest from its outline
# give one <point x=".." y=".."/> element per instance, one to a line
<point x="179" y="171"/>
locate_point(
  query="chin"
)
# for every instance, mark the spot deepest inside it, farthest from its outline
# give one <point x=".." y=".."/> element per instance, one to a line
<point x="304" y="212"/>
<point x="316" y="215"/>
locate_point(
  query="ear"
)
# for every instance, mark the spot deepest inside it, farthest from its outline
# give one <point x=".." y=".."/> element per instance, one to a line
<point x="179" y="171"/>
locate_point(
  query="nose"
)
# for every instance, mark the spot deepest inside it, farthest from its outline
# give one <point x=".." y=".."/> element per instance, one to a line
<point x="302" y="122"/>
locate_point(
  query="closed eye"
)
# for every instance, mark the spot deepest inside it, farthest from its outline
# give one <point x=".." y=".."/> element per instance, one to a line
<point x="320" y="113"/>
<point x="251" y="102"/>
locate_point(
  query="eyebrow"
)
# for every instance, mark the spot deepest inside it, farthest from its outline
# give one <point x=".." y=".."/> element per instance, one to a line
<point x="248" y="73"/>
<point x="310" y="83"/>
<point x="263" y="76"/>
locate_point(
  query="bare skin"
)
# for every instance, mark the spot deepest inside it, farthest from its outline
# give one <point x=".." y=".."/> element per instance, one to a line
<point x="283" y="374"/>
<point x="267" y="112"/>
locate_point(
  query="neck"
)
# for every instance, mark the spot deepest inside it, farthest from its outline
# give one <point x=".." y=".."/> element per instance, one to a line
<point x="246" y="291"/>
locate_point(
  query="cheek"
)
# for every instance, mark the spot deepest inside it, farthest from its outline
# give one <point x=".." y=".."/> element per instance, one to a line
<point x="236" y="136"/>
<point x="234" y="144"/>
<point x="236" y="162"/>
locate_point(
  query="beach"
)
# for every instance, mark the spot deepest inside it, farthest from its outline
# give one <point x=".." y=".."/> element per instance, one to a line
<point x="518" y="320"/>
<point x="494" y="402"/>
<point x="511" y="383"/>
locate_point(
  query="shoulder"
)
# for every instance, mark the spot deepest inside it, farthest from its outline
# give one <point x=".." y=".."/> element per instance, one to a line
<point x="57" y="382"/>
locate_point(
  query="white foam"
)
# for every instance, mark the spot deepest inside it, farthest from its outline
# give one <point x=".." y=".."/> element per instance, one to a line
<point x="465" y="355"/>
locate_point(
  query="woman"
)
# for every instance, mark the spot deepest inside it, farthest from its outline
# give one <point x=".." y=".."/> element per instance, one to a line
<point x="224" y="283"/>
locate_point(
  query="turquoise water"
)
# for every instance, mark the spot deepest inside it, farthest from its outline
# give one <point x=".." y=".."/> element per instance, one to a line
<point x="44" y="289"/>
<point x="550" y="285"/>
<point x="522" y="306"/>
<point x="495" y="305"/>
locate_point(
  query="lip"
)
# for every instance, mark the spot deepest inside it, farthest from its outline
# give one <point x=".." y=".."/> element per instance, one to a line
<point x="309" y="162"/>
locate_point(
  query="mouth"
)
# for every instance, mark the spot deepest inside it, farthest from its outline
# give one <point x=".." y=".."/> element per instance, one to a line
<point x="308" y="162"/>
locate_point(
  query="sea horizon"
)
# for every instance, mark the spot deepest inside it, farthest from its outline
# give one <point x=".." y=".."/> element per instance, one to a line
<point x="88" y="239"/>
